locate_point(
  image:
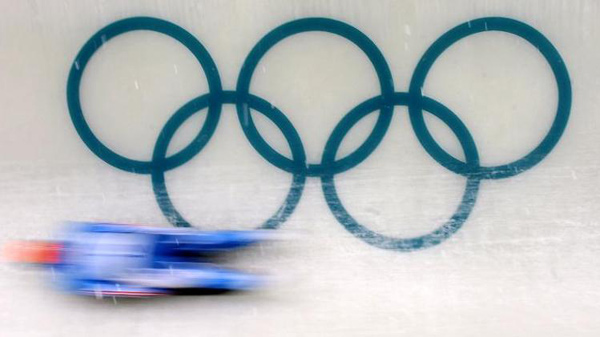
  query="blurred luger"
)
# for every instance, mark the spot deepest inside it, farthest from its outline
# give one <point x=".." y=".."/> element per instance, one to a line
<point x="100" y="259"/>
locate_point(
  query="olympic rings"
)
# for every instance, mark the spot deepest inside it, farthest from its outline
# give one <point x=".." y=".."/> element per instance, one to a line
<point x="381" y="241"/>
<point x="188" y="110"/>
<point x="306" y="25"/>
<point x="477" y="26"/>
<point x="329" y="166"/>
<point x="93" y="45"/>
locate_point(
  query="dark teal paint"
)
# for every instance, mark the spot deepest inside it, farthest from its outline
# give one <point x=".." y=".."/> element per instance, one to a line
<point x="329" y="166"/>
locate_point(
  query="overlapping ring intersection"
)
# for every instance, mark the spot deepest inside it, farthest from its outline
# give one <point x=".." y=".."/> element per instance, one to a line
<point x="415" y="101"/>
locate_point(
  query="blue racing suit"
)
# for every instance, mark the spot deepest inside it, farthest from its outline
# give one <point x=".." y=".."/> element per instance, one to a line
<point x="119" y="260"/>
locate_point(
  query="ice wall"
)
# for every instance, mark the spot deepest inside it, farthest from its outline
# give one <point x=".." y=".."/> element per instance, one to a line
<point x="475" y="217"/>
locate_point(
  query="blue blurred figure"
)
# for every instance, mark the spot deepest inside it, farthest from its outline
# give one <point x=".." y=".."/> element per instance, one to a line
<point x="102" y="259"/>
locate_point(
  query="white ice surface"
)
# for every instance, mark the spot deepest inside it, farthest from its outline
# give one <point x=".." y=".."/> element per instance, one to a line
<point x="525" y="262"/>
